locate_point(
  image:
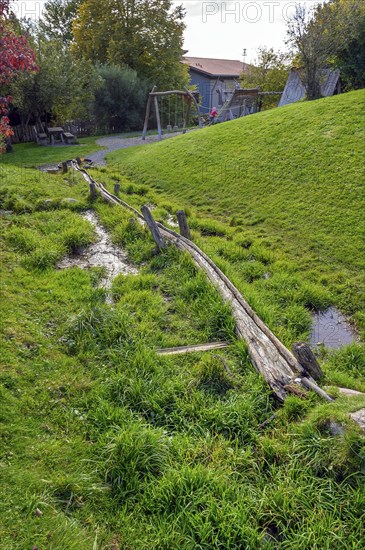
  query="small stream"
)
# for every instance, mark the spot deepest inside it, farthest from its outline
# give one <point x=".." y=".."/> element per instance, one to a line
<point x="332" y="330"/>
<point x="102" y="253"/>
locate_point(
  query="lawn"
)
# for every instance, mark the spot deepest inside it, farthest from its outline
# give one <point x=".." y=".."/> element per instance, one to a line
<point x="106" y="445"/>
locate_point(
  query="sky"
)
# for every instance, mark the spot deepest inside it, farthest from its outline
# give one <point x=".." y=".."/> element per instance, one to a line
<point x="224" y="30"/>
<point x="220" y="29"/>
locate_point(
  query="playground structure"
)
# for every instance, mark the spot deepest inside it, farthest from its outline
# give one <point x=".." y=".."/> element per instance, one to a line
<point x="188" y="100"/>
<point x="235" y="103"/>
<point x="241" y="102"/>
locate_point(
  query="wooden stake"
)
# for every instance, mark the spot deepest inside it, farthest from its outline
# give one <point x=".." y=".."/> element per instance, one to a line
<point x="183" y="224"/>
<point x="92" y="190"/>
<point x="64" y="168"/>
<point x="201" y="124"/>
<point x="307" y="360"/>
<point x="116" y="188"/>
<point x="153" y="227"/>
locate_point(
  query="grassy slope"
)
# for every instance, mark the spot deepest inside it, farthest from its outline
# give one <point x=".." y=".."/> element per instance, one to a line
<point x="294" y="176"/>
<point x="120" y="449"/>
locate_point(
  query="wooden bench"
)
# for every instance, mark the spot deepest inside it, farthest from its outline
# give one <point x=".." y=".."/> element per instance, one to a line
<point x="69" y="138"/>
<point x="40" y="138"/>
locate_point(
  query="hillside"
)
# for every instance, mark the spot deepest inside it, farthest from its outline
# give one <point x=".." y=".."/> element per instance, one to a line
<point x="293" y="176"/>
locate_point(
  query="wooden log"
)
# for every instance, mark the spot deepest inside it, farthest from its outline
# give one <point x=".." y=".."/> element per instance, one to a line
<point x="153" y="227"/>
<point x="307" y="360"/>
<point x="147" y="115"/>
<point x="93" y="193"/>
<point x="158" y="120"/>
<point x="169" y="92"/>
<point x="117" y="188"/>
<point x="183" y="224"/>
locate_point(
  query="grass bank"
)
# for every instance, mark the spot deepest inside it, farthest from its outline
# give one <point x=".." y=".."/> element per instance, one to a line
<point x="106" y="445"/>
<point x="291" y="180"/>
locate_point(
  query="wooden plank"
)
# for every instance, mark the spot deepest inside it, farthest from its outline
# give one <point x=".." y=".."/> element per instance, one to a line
<point x="193" y="349"/>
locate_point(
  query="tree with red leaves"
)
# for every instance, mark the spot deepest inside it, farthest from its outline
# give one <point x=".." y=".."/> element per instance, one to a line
<point x="15" y="56"/>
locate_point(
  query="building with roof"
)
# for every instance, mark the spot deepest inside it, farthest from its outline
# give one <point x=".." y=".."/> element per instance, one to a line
<point x="213" y="78"/>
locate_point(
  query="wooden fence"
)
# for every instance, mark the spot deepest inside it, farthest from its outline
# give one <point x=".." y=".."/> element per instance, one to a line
<point x="25" y="134"/>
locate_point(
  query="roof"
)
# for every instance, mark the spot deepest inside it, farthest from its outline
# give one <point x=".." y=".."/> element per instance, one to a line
<point x="216" y="67"/>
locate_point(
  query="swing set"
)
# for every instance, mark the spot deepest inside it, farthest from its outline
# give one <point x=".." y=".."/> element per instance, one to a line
<point x="188" y="99"/>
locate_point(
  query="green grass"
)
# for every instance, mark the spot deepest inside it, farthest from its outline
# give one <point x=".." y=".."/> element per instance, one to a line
<point x="119" y="448"/>
<point x="31" y="155"/>
<point x="290" y="179"/>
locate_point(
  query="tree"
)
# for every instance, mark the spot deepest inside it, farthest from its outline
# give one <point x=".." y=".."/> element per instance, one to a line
<point x="62" y="89"/>
<point x="120" y="100"/>
<point x="57" y="19"/>
<point x="314" y="43"/>
<point x="15" y="57"/>
<point x="347" y="20"/>
<point x="332" y="35"/>
<point x="145" y="35"/>
<point x="269" y="72"/>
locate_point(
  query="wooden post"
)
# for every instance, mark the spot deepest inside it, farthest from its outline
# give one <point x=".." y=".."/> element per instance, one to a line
<point x="153" y="227"/>
<point x="92" y="190"/>
<point x="187" y="115"/>
<point x="201" y="124"/>
<point x="79" y="161"/>
<point x="64" y="168"/>
<point x="183" y="224"/>
<point x="147" y="116"/>
<point x="159" y="129"/>
<point x="307" y="360"/>
<point x="116" y="188"/>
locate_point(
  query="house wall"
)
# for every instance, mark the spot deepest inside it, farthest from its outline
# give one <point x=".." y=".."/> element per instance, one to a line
<point x="209" y="87"/>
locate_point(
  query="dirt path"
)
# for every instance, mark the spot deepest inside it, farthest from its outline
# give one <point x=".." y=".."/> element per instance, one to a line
<point x="113" y="143"/>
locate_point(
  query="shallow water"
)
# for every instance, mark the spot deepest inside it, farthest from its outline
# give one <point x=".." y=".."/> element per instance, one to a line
<point x="332" y="329"/>
<point x="102" y="253"/>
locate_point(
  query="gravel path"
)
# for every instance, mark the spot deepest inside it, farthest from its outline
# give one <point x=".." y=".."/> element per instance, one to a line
<point x="113" y="143"/>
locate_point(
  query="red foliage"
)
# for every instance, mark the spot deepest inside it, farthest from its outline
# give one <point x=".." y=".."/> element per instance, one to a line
<point x="15" y="56"/>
